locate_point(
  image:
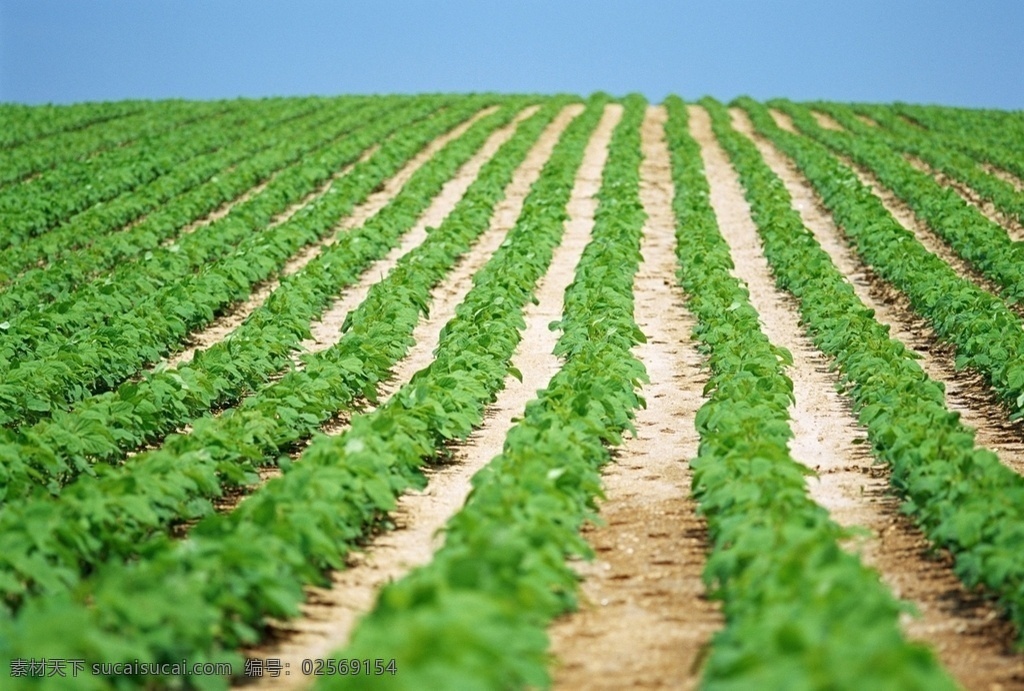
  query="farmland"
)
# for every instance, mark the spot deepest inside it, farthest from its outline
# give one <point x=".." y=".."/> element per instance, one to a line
<point x="495" y="391"/>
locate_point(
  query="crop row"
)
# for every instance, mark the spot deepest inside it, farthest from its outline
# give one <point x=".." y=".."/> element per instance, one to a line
<point x="988" y="336"/>
<point x="800" y="611"/>
<point x="109" y="126"/>
<point x="984" y="134"/>
<point x="475" y="616"/>
<point x="106" y="508"/>
<point x="963" y="498"/>
<point x="981" y="242"/>
<point x="57" y="280"/>
<point x="103" y="350"/>
<point x="84" y="228"/>
<point x="267" y="424"/>
<point x="35" y="206"/>
<point x="235" y="569"/>
<point x="103" y="427"/>
<point x="26" y="124"/>
<point x="948" y="160"/>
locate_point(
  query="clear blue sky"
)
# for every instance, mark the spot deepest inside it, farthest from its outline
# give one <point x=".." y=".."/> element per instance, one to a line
<point x="953" y="52"/>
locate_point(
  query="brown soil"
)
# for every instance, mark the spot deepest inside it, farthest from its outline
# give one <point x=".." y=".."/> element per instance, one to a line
<point x="1013" y="227"/>
<point x="1004" y="175"/>
<point x="827" y="121"/>
<point x="644" y="620"/>
<point x="330" y="614"/>
<point x="970" y="638"/>
<point x="866" y="120"/>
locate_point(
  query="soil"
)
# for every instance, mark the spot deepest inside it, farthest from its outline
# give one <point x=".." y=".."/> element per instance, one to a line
<point x="644" y="619"/>
<point x="827" y="121"/>
<point x="866" y="120"/>
<point x="1003" y="175"/>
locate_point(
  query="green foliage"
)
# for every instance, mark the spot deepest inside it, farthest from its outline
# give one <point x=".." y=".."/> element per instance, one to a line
<point x="99" y="517"/>
<point x="104" y="235"/>
<point x="801" y="613"/>
<point x="502" y="571"/>
<point x="963" y="498"/>
<point x="236" y="569"/>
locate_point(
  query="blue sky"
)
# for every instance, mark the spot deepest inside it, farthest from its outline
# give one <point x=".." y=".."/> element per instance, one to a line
<point x="956" y="53"/>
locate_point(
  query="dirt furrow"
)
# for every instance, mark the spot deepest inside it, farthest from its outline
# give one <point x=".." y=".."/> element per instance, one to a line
<point x="1003" y="175"/>
<point x="231" y="319"/>
<point x="827" y="121"/>
<point x="330" y="614"/>
<point x="644" y="619"/>
<point x="1012" y="226"/>
<point x="909" y="220"/>
<point x="865" y="119"/>
<point x="964" y="630"/>
<point x="966" y="391"/>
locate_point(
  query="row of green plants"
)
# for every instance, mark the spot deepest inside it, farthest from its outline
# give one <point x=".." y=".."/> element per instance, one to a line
<point x="37" y="205"/>
<point x="105" y="510"/>
<point x="985" y="245"/>
<point x="800" y="611"/>
<point x="32" y="124"/>
<point x="235" y="142"/>
<point x="948" y="160"/>
<point x="476" y="615"/>
<point x="988" y="336"/>
<point x="67" y="367"/>
<point x="961" y="496"/>
<point x="261" y="160"/>
<point x="211" y="592"/>
<point x="102" y="428"/>
<point x="982" y="133"/>
<point x="81" y="131"/>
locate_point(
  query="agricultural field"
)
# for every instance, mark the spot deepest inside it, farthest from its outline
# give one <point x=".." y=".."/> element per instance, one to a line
<point x="493" y="391"/>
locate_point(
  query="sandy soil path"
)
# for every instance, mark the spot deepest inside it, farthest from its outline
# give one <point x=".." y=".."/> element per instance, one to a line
<point x="217" y="330"/>
<point x="644" y="619"/>
<point x="866" y="120"/>
<point x="827" y="121"/>
<point x="330" y="614"/>
<point x="1004" y="175"/>
<point x="966" y="632"/>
